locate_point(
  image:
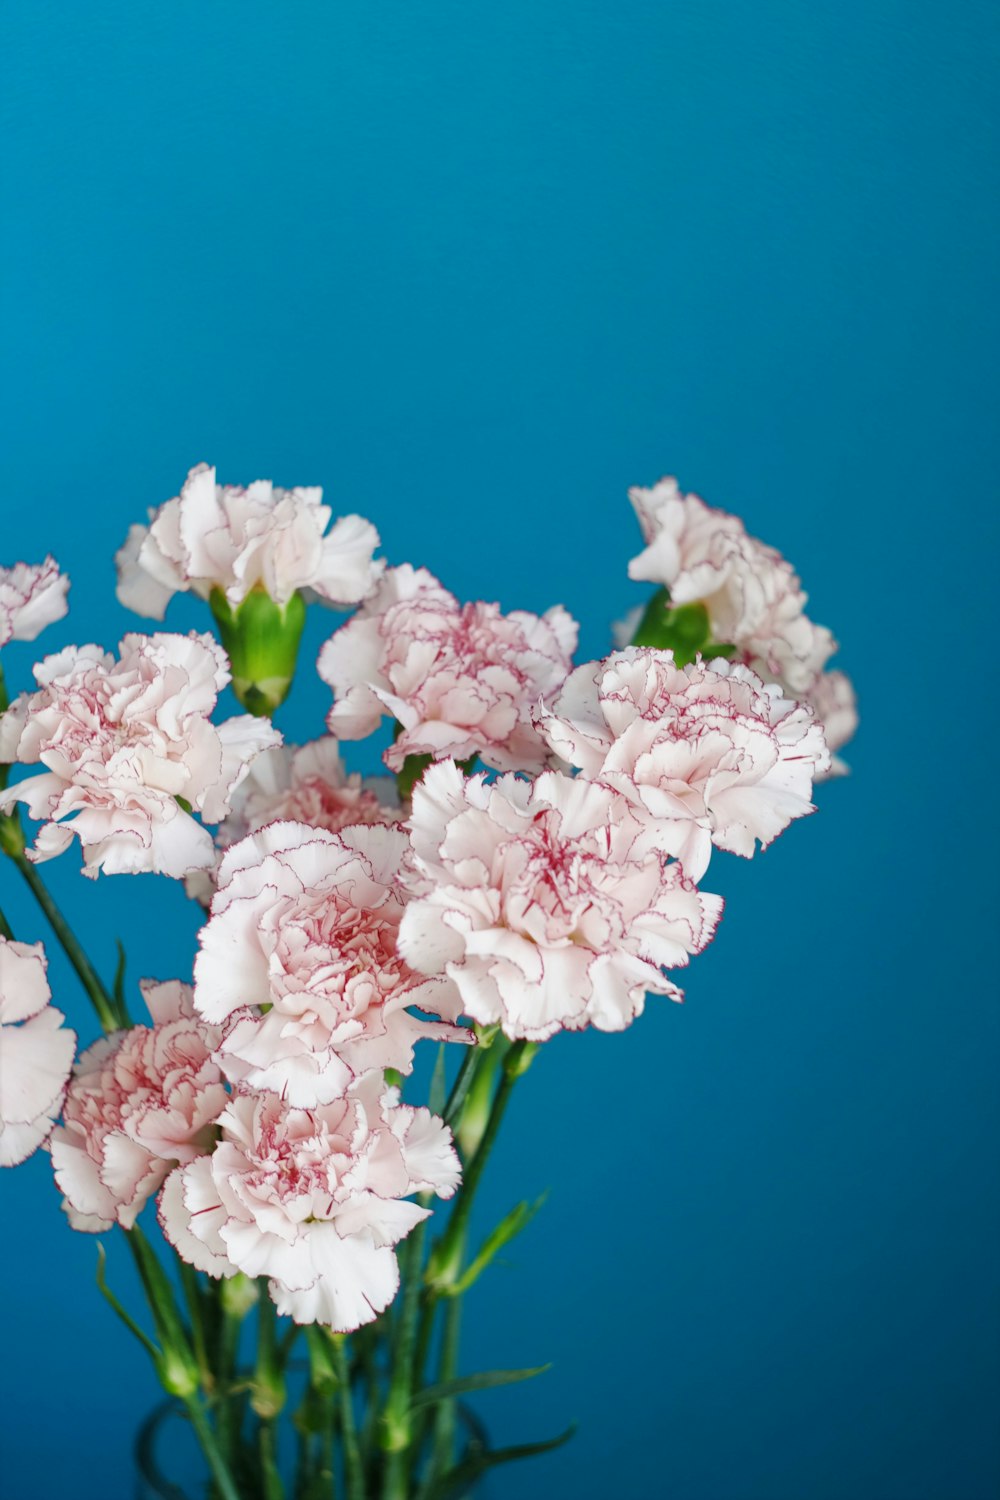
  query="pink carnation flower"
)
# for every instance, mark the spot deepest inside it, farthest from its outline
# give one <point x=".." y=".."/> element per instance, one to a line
<point x="299" y="784"/>
<point x="753" y="596"/>
<point x="312" y="1199"/>
<point x="223" y="536"/>
<point x="306" y="784"/>
<point x="705" y="754"/>
<point x="304" y="923"/>
<point x="129" y="748"/>
<point x="833" y="700"/>
<point x="140" y="1102"/>
<point x="534" y="900"/>
<point x="460" y="679"/>
<point x="36" y="1052"/>
<point x="32" y="595"/>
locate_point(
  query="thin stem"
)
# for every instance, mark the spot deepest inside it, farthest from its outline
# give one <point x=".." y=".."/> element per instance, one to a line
<point x="100" y="999"/>
<point x="193" y="1296"/>
<point x="397" y="1429"/>
<point x="210" y="1448"/>
<point x="354" y="1470"/>
<point x="268" y="1394"/>
<point x="444" y="1420"/>
<point x="5" y="928"/>
<point x="447" y="1253"/>
<point x="463" y="1082"/>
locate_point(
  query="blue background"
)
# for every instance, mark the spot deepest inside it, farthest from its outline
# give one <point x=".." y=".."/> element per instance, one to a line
<point x="476" y="269"/>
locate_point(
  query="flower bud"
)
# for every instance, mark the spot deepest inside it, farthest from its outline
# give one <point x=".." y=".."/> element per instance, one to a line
<point x="262" y="642"/>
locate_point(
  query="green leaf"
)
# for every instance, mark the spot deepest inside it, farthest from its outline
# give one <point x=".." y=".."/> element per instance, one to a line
<point x="456" y="1483"/>
<point x="127" y="1319"/>
<point x="464" y="1385"/>
<point x="519" y="1218"/>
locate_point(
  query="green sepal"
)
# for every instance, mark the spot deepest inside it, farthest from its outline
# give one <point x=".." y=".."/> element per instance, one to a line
<point x="238" y="1294"/>
<point x="459" y="1480"/>
<point x="465" y="1385"/>
<point x="508" y="1229"/>
<point x="262" y="642"/>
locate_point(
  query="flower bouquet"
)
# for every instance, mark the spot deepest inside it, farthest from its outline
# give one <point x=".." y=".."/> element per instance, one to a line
<point x="535" y="863"/>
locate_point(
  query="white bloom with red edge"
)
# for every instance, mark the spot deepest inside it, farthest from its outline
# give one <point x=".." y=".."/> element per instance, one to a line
<point x="305" y="923"/>
<point x="833" y="699"/>
<point x="36" y="1052"/>
<point x="705" y="754"/>
<point x="125" y="744"/>
<point x="460" y="679"/>
<point x="535" y="899"/>
<point x="314" y="1199"/>
<point x="140" y="1102"/>
<point x="753" y="597"/>
<point x="299" y="784"/>
<point x="32" y="595"/>
<point x="307" y="784"/>
<point x="234" y="539"/>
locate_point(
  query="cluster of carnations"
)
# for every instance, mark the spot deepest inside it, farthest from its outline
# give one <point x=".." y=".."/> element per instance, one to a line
<point x="535" y="863"/>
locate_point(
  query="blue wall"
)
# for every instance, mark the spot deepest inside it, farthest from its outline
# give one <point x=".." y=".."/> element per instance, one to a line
<point x="476" y="269"/>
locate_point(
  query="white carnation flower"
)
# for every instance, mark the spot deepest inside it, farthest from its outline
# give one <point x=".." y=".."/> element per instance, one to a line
<point x="705" y="753"/>
<point x="459" y="679"/>
<point x="313" y="1199"/>
<point x="36" y="1052"/>
<point x="31" y="597"/>
<point x="304" y="926"/>
<point x="129" y="751"/>
<point x="234" y="539"/>
<point x="536" y="900"/>
<point x="753" y="597"/>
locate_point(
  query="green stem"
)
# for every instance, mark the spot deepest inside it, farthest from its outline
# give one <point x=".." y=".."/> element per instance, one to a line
<point x="442" y="1449"/>
<point x="397" y="1423"/>
<point x="463" y="1082"/>
<point x="194" y="1298"/>
<point x="353" y="1468"/>
<point x="445" y="1261"/>
<point x="5" y="928"/>
<point x="100" y="999"/>
<point x="210" y="1448"/>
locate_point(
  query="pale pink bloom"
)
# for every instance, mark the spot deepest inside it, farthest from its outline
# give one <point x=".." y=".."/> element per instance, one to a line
<point x="36" y="1052"/>
<point x="833" y="700"/>
<point x="304" y="923"/>
<point x="306" y="784"/>
<point x="704" y="754"/>
<point x="234" y="539"/>
<point x="314" y="1199"/>
<point x="126" y="743"/>
<point x="753" y="596"/>
<point x="460" y="679"/>
<point x="536" y="900"/>
<point x="299" y="784"/>
<point x="140" y="1102"/>
<point x="32" y="595"/>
